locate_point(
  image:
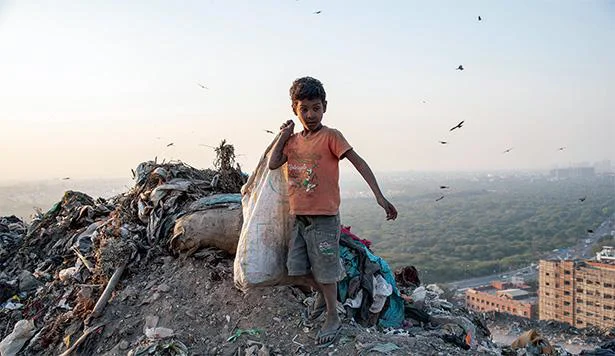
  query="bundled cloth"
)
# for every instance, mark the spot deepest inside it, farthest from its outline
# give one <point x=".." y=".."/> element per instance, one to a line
<point x="369" y="286"/>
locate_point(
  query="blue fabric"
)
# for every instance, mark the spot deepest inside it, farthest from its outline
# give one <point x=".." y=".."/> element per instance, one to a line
<point x="218" y="199"/>
<point x="393" y="316"/>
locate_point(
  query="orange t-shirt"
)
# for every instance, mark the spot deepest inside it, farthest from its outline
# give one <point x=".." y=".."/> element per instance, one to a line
<point x="313" y="171"/>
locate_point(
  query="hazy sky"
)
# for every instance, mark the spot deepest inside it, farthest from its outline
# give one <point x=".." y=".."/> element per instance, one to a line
<point x="86" y="87"/>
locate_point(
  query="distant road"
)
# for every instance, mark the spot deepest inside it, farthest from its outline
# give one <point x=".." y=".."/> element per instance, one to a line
<point x="581" y="250"/>
<point x="527" y="273"/>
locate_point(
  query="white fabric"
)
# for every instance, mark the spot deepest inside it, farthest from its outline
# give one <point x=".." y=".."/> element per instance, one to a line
<point x="382" y="289"/>
<point x="355" y="302"/>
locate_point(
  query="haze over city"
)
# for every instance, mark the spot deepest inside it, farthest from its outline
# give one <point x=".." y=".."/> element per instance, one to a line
<point x="91" y="89"/>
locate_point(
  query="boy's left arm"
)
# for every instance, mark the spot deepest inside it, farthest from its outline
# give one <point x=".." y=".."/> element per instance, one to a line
<point x="367" y="174"/>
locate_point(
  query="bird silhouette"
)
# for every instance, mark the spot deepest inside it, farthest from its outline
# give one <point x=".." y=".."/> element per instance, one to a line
<point x="507" y="150"/>
<point x="479" y="18"/>
<point x="66" y="178"/>
<point x="170" y="144"/>
<point x="317" y="12"/>
<point x="590" y="231"/>
<point x="202" y="86"/>
<point x="440" y="198"/>
<point x="443" y="142"/>
<point x="269" y="131"/>
<point x="582" y="199"/>
<point x="460" y="67"/>
<point x="444" y="187"/>
<point x="459" y="125"/>
<point x="561" y="148"/>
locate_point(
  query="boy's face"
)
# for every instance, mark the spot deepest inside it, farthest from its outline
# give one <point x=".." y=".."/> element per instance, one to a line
<point x="310" y="113"/>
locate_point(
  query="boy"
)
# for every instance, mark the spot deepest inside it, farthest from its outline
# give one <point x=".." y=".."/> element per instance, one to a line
<point x="313" y="157"/>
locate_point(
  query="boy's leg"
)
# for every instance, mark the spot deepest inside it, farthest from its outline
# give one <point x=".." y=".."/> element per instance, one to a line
<point x="322" y="237"/>
<point x="298" y="265"/>
<point x="332" y="322"/>
<point x="298" y="261"/>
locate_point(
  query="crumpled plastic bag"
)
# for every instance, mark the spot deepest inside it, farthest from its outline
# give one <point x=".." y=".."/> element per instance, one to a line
<point x="22" y="332"/>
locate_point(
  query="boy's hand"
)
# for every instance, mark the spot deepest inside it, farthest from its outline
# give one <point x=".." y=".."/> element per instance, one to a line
<point x="388" y="208"/>
<point x="287" y="129"/>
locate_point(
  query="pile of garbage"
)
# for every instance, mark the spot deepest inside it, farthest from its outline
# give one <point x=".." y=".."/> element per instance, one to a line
<point x="150" y="272"/>
<point x="559" y="334"/>
<point x="54" y="270"/>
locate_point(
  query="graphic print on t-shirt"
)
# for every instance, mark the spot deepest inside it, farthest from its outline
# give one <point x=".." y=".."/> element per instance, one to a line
<point x="302" y="174"/>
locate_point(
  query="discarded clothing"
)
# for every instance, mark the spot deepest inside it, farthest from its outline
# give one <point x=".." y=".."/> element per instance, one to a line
<point x="415" y="313"/>
<point x="346" y="230"/>
<point x="215" y="199"/>
<point x="382" y="289"/>
<point x="360" y="262"/>
<point x="407" y="277"/>
<point x="355" y="303"/>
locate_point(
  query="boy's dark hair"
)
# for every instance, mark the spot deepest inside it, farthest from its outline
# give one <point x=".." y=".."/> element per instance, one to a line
<point x="307" y="88"/>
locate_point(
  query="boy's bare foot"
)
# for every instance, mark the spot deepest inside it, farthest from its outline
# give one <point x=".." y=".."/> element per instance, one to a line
<point x="329" y="331"/>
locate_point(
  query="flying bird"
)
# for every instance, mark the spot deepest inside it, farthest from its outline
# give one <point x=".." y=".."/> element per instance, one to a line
<point x="317" y="12"/>
<point x="590" y="231"/>
<point x="479" y="18"/>
<point x="170" y="144"/>
<point x="443" y="142"/>
<point x="440" y="198"/>
<point x="202" y="86"/>
<point x="269" y="131"/>
<point x="507" y="150"/>
<point x="444" y="187"/>
<point x="66" y="178"/>
<point x="561" y="148"/>
<point x="582" y="199"/>
<point x="459" y="125"/>
<point x="460" y="67"/>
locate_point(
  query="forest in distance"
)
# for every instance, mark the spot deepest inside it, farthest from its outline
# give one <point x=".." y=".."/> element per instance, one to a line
<point x="483" y="225"/>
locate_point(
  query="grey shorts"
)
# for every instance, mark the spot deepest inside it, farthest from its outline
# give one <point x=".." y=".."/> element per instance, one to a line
<point x="315" y="248"/>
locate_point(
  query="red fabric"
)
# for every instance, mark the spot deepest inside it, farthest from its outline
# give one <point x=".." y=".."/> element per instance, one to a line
<point x="346" y="230"/>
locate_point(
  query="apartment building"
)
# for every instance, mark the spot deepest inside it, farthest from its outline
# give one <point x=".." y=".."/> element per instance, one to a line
<point x="501" y="297"/>
<point x="580" y="293"/>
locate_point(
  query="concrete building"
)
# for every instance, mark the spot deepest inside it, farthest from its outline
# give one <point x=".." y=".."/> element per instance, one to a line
<point x="573" y="172"/>
<point x="500" y="297"/>
<point x="607" y="255"/>
<point x="580" y="293"/>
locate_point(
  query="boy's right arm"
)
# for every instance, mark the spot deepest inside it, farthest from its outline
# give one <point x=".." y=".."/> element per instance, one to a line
<point x="278" y="158"/>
